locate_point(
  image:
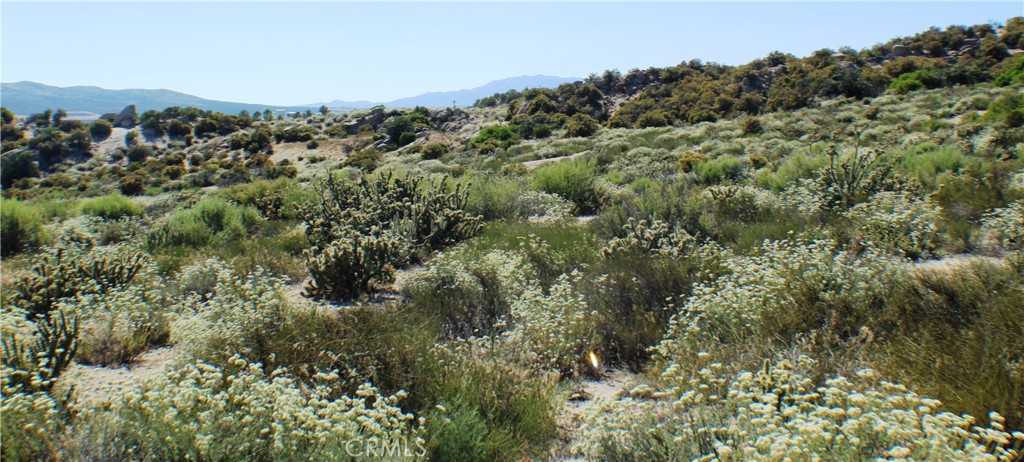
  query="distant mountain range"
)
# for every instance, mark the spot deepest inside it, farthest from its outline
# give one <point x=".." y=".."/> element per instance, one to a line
<point x="30" y="97"/>
<point x="460" y="98"/>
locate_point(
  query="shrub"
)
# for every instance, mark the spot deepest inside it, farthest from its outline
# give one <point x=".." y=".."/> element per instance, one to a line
<point x="11" y="135"/>
<point x="132" y="185"/>
<point x="49" y="143"/>
<point x="542" y="207"/>
<point x="426" y="214"/>
<point x="1005" y="226"/>
<point x="210" y="220"/>
<point x="899" y="223"/>
<point x="581" y="125"/>
<point x="366" y="160"/>
<point x="30" y="424"/>
<point x="139" y="152"/>
<point x="468" y="293"/>
<point x="344" y="268"/>
<point x="178" y="129"/>
<point x="434" y="150"/>
<point x="717" y="415"/>
<point x="499" y="135"/>
<point x="720" y="170"/>
<point x="573" y="180"/>
<point x="111" y="207"/>
<point x="100" y="129"/>
<point x="33" y="362"/>
<point x="849" y="181"/>
<point x="22" y="226"/>
<point x="655" y="118"/>
<point x="750" y="126"/>
<point x="689" y="160"/>
<point x="1011" y="75"/>
<point x="239" y="411"/>
<point x="119" y="324"/>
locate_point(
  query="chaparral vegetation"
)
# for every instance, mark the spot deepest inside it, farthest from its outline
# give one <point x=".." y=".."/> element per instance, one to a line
<point x="800" y="258"/>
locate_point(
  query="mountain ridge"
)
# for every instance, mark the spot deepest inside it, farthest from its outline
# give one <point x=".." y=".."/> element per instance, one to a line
<point x="27" y="97"/>
<point x="463" y="97"/>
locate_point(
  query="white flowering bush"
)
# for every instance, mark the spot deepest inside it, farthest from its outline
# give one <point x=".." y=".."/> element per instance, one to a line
<point x="779" y="413"/>
<point x="1005" y="227"/>
<point x="789" y="287"/>
<point x="899" y="223"/>
<point x="471" y="293"/>
<point x="119" y="324"/>
<point x="30" y="423"/>
<point x="243" y="317"/>
<point x="241" y="412"/>
<point x="543" y="208"/>
<point x="558" y="326"/>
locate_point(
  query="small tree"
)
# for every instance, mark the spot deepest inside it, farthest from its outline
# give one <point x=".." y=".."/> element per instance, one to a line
<point x="58" y="116"/>
<point x="6" y="115"/>
<point x="581" y="125"/>
<point x="325" y="110"/>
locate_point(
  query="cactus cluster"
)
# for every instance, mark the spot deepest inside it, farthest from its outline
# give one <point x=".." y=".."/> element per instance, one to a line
<point x="360" y="231"/>
<point x="33" y="364"/>
<point x="59" y="275"/>
<point x="344" y="268"/>
<point x="642" y="236"/>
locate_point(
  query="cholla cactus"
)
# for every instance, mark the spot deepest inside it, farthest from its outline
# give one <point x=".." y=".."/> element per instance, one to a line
<point x="345" y="267"/>
<point x="1005" y="227"/>
<point x="655" y="237"/>
<point x="60" y="275"/>
<point x="426" y="214"/>
<point x="33" y="364"/>
<point x="899" y="223"/>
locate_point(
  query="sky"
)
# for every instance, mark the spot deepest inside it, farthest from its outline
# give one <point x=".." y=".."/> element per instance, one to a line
<point x="296" y="53"/>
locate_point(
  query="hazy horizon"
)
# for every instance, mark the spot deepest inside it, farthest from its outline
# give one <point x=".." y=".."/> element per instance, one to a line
<point x="299" y="53"/>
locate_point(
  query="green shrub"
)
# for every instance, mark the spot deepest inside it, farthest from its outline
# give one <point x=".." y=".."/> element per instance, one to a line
<point x="132" y="185"/>
<point x="501" y="136"/>
<point x="581" y="125"/>
<point x="366" y="160"/>
<point x="1011" y="75"/>
<point x="434" y="150"/>
<point x="100" y="129"/>
<point x="111" y="207"/>
<point x="139" y="152"/>
<point x="16" y="166"/>
<point x="22" y="226"/>
<point x="750" y="126"/>
<point x="655" y="118"/>
<point x="33" y="363"/>
<point x="426" y="214"/>
<point x="724" y="169"/>
<point x="574" y="180"/>
<point x="50" y="144"/>
<point x="210" y="220"/>
<point x="406" y="138"/>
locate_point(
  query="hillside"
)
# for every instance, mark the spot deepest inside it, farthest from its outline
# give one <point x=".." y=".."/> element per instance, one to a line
<point x="803" y="257"/>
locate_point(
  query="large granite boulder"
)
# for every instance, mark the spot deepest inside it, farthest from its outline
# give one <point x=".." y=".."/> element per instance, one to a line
<point x="900" y="51"/>
<point x="127" y="118"/>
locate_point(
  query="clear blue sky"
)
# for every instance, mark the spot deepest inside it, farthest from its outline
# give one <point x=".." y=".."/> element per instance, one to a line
<point x="295" y="53"/>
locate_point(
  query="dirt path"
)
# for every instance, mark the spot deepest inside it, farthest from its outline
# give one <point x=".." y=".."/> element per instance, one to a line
<point x="530" y="165"/>
<point x="581" y="402"/>
<point x="96" y="384"/>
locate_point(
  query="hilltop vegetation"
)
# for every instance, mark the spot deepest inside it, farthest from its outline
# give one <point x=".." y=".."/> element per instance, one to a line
<point x="813" y="258"/>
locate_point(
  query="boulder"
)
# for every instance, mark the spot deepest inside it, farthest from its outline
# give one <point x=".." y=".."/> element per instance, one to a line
<point x="900" y="51"/>
<point x="127" y="118"/>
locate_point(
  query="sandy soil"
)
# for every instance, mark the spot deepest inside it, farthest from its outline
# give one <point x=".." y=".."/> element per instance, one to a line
<point x="96" y="384"/>
<point x="582" y="400"/>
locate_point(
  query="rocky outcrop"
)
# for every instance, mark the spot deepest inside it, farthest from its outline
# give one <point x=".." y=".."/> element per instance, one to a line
<point x="127" y="118"/>
<point x="374" y="119"/>
<point x="448" y="120"/>
<point x="901" y="51"/>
